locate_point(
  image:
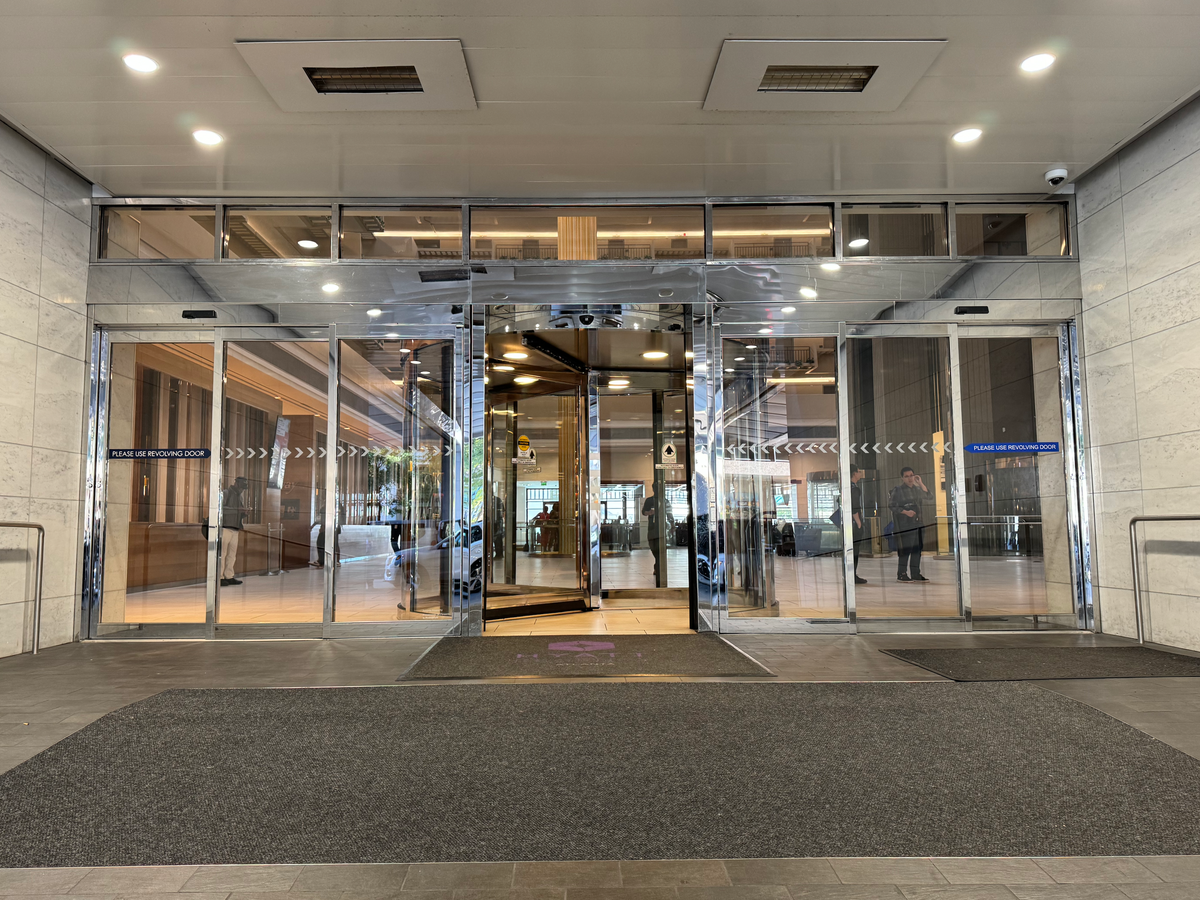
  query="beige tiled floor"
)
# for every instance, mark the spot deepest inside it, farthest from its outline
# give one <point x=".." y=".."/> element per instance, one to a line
<point x="600" y="621"/>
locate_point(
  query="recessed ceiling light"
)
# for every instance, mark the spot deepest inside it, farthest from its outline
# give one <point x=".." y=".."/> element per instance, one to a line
<point x="505" y="368"/>
<point x="394" y="335"/>
<point x="374" y="312"/>
<point x="830" y="267"/>
<point x="679" y="410"/>
<point x="967" y="135"/>
<point x="209" y="138"/>
<point x="764" y="331"/>
<point x="739" y="359"/>
<point x="655" y="354"/>
<point x="524" y="379"/>
<point x="857" y="243"/>
<point x="808" y="293"/>
<point x="331" y="288"/>
<point x="618" y="382"/>
<point x="688" y="354"/>
<point x="1038" y="62"/>
<point x="729" y="370"/>
<point x="516" y="354"/>
<point x="424" y="373"/>
<point x="787" y="309"/>
<point x="307" y="244"/>
<point x="750" y="346"/>
<point x="140" y="63"/>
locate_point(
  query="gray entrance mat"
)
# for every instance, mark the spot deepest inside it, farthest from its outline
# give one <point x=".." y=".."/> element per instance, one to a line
<point x="1050" y="663"/>
<point x="613" y="770"/>
<point x="584" y="655"/>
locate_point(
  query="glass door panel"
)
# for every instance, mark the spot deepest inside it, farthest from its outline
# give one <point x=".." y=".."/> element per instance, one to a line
<point x="396" y="447"/>
<point x="273" y="532"/>
<point x="156" y="511"/>
<point x="783" y="550"/>
<point x="1015" y="483"/>
<point x="535" y="496"/>
<point x="900" y="440"/>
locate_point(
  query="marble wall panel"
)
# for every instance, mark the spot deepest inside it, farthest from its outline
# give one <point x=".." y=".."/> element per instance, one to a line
<point x="1140" y="246"/>
<point x="45" y="215"/>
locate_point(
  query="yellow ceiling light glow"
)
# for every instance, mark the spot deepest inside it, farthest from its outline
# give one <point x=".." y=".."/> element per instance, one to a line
<point x="515" y="354"/>
<point x="655" y="354"/>
<point x="1039" y="62"/>
<point x="206" y="137"/>
<point x="967" y="135"/>
<point x="524" y="379"/>
<point x="505" y="368"/>
<point x="139" y="63"/>
<point x="830" y="266"/>
<point x="804" y="379"/>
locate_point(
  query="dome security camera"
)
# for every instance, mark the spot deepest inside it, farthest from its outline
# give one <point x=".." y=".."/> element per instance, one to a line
<point x="1055" y="177"/>
<point x="586" y="319"/>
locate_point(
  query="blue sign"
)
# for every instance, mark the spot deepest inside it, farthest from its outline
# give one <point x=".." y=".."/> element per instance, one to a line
<point x="181" y="453"/>
<point x="1046" y="447"/>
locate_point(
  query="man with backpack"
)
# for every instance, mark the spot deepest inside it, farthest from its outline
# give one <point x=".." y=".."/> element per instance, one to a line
<point x="906" y="504"/>
<point x="233" y="515"/>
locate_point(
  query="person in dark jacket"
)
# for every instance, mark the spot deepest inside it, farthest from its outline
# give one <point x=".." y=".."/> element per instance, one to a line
<point x="857" y="514"/>
<point x="233" y="515"/>
<point x="906" y="503"/>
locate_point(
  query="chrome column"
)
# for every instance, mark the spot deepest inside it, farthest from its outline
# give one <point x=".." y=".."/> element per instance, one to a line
<point x="95" y="505"/>
<point x="843" y="404"/>
<point x="962" y="528"/>
<point x="331" y="479"/>
<point x="713" y="370"/>
<point x="473" y="472"/>
<point x="591" y="461"/>
<point x="703" y="512"/>
<point x="1075" y="464"/>
<point x="215" y="472"/>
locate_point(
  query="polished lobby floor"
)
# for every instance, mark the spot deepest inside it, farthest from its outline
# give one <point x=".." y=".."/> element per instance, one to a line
<point x="599" y="621"/>
<point x="805" y="587"/>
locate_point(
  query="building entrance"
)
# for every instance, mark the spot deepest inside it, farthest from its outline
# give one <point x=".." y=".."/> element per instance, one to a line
<point x="589" y="458"/>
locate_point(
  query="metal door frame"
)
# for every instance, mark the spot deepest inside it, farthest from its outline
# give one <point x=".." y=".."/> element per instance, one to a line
<point x="1073" y="453"/>
<point x="459" y="470"/>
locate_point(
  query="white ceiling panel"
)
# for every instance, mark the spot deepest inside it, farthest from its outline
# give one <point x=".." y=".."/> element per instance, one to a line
<point x="576" y="99"/>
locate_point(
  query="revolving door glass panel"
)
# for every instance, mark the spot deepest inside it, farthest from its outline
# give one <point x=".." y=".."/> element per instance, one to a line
<point x="397" y="444"/>
<point x="783" y="550"/>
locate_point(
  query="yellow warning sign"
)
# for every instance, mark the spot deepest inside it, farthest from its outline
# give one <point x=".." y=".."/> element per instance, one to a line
<point x="523" y="444"/>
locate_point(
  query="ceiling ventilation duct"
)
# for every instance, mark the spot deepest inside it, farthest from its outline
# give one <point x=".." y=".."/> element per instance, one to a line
<point x="363" y="79"/>
<point x="362" y="76"/>
<point x="798" y="79"/>
<point x="818" y="75"/>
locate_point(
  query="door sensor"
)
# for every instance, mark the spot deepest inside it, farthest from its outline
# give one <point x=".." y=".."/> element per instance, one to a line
<point x="970" y="310"/>
<point x="199" y="313"/>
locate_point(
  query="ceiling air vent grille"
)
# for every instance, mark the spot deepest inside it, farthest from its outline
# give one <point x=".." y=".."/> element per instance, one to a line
<point x="816" y="79"/>
<point x="364" y="79"/>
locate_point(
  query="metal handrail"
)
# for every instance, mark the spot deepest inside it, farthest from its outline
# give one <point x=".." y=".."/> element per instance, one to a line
<point x="37" y="588"/>
<point x="1137" y="594"/>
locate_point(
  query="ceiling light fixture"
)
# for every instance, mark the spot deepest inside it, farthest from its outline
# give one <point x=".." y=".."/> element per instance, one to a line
<point x="140" y="63"/>
<point x="1038" y="62"/>
<point x="787" y="309"/>
<point x="808" y="293"/>
<point x="655" y="354"/>
<point x="807" y="379"/>
<point x="830" y="267"/>
<point x="858" y="243"/>
<point x="307" y="244"/>
<point x="206" y="137"/>
<point x="764" y="331"/>
<point x="505" y="368"/>
<point x="618" y="382"/>
<point x="516" y="354"/>
<point x="730" y="371"/>
<point x="374" y="312"/>
<point x="393" y="335"/>
<point x="331" y="288"/>
<point x="424" y="373"/>
<point x="739" y="359"/>
<point x="524" y="379"/>
<point x="967" y="135"/>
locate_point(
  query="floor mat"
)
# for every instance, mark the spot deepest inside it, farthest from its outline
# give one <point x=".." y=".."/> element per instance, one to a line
<point x="585" y="655"/>
<point x="613" y="770"/>
<point x="1050" y="663"/>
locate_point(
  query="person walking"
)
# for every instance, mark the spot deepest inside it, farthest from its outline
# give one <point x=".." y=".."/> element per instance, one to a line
<point x="906" y="504"/>
<point x="233" y="515"/>
<point x="857" y="515"/>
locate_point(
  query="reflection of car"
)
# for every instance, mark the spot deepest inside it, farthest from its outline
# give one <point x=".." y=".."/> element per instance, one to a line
<point x="405" y="565"/>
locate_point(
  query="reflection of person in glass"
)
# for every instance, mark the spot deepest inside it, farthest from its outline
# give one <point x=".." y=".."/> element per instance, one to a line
<point x="856" y="513"/>
<point x="233" y="515"/>
<point x="650" y="511"/>
<point x="905" y="502"/>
